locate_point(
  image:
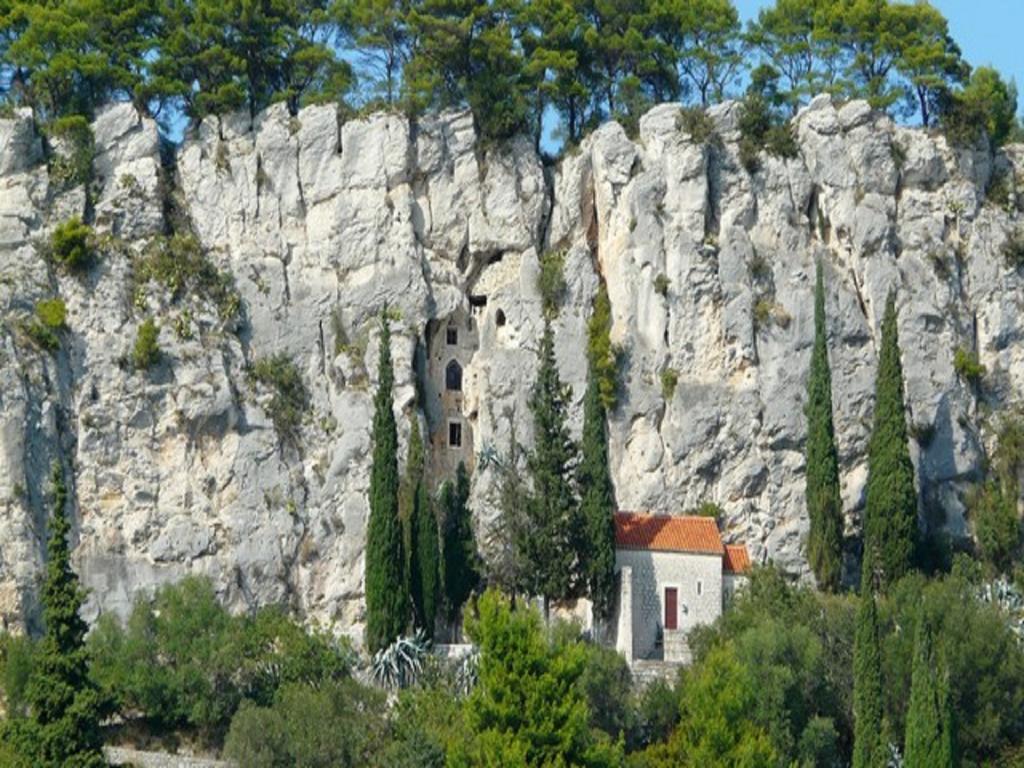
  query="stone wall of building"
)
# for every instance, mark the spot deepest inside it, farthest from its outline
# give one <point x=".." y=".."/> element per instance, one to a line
<point x="652" y="572"/>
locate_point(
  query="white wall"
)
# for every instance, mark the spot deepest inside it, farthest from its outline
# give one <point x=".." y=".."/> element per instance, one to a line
<point x="652" y="572"/>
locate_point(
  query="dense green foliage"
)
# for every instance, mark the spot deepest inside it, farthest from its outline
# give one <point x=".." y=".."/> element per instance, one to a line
<point x="824" y="506"/>
<point x="59" y="726"/>
<point x="890" y="512"/>
<point x="146" y="352"/>
<point x="869" y="745"/>
<point x="424" y="548"/>
<point x="507" y="61"/>
<point x="71" y="245"/>
<point x="597" y="504"/>
<point x="337" y="725"/>
<point x="184" y="662"/>
<point x="602" y="355"/>
<point x="527" y="708"/>
<point x="992" y="505"/>
<point x="387" y="595"/>
<point x="47" y="323"/>
<point x="460" y="573"/>
<point x="930" y="739"/>
<point x="179" y="264"/>
<point x="548" y="541"/>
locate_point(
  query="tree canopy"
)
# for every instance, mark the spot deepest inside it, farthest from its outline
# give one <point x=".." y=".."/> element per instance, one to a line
<point x="510" y="62"/>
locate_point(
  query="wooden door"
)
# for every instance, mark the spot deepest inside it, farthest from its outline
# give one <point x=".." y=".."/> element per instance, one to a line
<point x="671" y="608"/>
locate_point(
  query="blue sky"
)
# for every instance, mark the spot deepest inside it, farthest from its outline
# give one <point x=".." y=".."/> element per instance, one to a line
<point x="988" y="31"/>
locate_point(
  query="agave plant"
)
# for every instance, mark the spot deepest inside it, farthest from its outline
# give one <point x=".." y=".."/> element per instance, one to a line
<point x="467" y="673"/>
<point x="400" y="664"/>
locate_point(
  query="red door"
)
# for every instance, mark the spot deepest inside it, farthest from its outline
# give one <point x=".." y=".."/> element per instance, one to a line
<point x="671" y="607"/>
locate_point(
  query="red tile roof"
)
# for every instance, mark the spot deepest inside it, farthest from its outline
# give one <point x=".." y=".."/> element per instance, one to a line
<point x="737" y="559"/>
<point x="668" y="533"/>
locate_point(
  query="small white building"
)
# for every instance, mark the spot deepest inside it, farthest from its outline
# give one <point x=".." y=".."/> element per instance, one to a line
<point x="674" y="574"/>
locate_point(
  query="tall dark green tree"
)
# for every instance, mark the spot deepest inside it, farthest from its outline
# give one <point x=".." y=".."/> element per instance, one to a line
<point x="387" y="596"/>
<point x="824" y="506"/>
<point x="930" y="740"/>
<point x="869" y="748"/>
<point x="890" y="511"/>
<point x="460" y="563"/>
<point x="597" y="494"/>
<point x="63" y="701"/>
<point x="424" y="558"/>
<point x="546" y="541"/>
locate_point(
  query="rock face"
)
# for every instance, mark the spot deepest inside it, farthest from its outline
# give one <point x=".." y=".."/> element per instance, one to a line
<point x="709" y="267"/>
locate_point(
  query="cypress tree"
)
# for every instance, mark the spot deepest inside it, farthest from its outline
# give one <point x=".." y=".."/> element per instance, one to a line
<point x="890" y="512"/>
<point x="63" y="700"/>
<point x="824" y="507"/>
<point x="597" y="502"/>
<point x="930" y="741"/>
<point x="424" y="566"/>
<point x="547" y="541"/>
<point x="460" y="574"/>
<point x="868" y="742"/>
<point x="387" y="598"/>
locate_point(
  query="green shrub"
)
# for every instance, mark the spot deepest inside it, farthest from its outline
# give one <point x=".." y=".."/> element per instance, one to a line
<point x="72" y="245"/>
<point x="551" y="281"/>
<point x="992" y="512"/>
<point x="669" y="380"/>
<point x="661" y="285"/>
<point x="290" y="399"/>
<point x="761" y="129"/>
<point x="146" y="352"/>
<point x="696" y="122"/>
<point x="338" y="724"/>
<point x="182" y="660"/>
<point x="179" y="264"/>
<point x="73" y="166"/>
<point x="768" y="313"/>
<point x="49" y="320"/>
<point x="17" y="659"/>
<point x="708" y="509"/>
<point x="967" y="366"/>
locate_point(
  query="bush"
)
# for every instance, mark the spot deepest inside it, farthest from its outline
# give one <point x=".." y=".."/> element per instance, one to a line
<point x="992" y="512"/>
<point x="146" y="352"/>
<point x="17" y="654"/>
<point x="179" y="264"/>
<point x="73" y="166"/>
<point x="290" y="399"/>
<point x="966" y="364"/>
<point x="661" y="285"/>
<point x="669" y="380"/>
<point x="182" y="660"/>
<point x="761" y="129"/>
<point x="48" y="322"/>
<point x="338" y="724"/>
<point x="696" y="122"/>
<point x="72" y="245"/>
<point x="551" y="281"/>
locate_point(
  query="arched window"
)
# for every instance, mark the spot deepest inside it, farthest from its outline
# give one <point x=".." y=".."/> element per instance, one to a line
<point x="453" y="377"/>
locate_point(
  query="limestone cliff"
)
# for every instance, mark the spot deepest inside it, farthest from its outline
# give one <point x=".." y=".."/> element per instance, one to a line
<point x="709" y="268"/>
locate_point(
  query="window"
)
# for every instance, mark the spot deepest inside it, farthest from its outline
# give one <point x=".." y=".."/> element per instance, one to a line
<point x="454" y="434"/>
<point x="451" y="335"/>
<point x="671" y="608"/>
<point x="453" y="377"/>
<point x="700" y="587"/>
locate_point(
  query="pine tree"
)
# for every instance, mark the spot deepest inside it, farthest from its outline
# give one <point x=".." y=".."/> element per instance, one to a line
<point x="547" y="541"/>
<point x="930" y="740"/>
<point x="64" y="702"/>
<point x="460" y="573"/>
<point x="424" y="566"/>
<point x="824" y="507"/>
<point x="890" y="512"/>
<point x="868" y="742"/>
<point x="387" y="598"/>
<point x="597" y="502"/>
